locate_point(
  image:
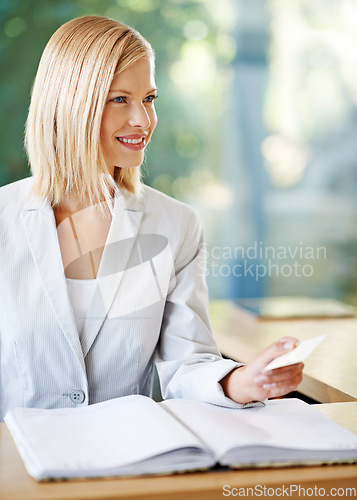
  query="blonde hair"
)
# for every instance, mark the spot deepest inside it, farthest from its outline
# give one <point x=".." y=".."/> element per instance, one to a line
<point x="62" y="137"/>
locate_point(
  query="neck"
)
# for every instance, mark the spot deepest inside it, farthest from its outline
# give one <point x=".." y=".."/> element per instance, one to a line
<point x="69" y="205"/>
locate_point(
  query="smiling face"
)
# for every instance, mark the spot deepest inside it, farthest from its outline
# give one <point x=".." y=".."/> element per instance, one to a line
<point x="129" y="116"/>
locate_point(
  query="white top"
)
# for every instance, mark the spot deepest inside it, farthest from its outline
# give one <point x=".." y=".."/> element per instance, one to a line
<point x="80" y="294"/>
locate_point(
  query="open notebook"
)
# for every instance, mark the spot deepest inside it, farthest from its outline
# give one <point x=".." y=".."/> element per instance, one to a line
<point x="134" y="435"/>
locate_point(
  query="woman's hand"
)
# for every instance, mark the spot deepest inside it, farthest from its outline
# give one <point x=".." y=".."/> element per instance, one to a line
<point x="251" y="383"/>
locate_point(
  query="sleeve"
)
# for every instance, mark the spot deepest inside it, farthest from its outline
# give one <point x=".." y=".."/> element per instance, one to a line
<point x="189" y="364"/>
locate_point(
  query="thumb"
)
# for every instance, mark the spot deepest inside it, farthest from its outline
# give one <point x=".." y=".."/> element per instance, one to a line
<point x="281" y="346"/>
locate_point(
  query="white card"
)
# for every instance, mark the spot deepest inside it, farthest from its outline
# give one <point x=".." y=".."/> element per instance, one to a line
<point x="297" y="355"/>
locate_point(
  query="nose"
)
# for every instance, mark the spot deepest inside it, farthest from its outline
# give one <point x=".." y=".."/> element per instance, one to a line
<point x="139" y="117"/>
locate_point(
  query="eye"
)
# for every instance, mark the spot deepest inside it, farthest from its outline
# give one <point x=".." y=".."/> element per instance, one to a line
<point x="151" y="98"/>
<point x="120" y="99"/>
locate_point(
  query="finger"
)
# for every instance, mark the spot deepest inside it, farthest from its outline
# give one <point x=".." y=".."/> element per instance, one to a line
<point x="285" y="379"/>
<point x="284" y="387"/>
<point x="283" y="345"/>
<point x="277" y="393"/>
<point x="284" y="371"/>
<point x="279" y="374"/>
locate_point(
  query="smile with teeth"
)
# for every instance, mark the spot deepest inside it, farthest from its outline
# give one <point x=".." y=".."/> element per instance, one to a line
<point x="131" y="141"/>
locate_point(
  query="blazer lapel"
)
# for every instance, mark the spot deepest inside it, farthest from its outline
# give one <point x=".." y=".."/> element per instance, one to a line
<point x="40" y="229"/>
<point x="123" y="232"/>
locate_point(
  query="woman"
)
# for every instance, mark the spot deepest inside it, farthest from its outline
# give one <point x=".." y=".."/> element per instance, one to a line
<point x="100" y="275"/>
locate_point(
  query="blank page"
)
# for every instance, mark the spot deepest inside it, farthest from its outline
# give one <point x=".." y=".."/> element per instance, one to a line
<point x="285" y="423"/>
<point x="101" y="437"/>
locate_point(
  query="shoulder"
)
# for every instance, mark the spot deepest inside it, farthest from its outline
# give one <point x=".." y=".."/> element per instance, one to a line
<point x="177" y="221"/>
<point x="160" y="203"/>
<point x="12" y="201"/>
<point x="13" y="196"/>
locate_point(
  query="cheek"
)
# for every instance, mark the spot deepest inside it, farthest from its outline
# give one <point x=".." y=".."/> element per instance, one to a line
<point x="103" y="127"/>
<point x="108" y="125"/>
<point x="153" y="119"/>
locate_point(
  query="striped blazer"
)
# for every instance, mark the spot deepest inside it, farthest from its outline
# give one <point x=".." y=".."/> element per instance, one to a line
<point x="149" y="307"/>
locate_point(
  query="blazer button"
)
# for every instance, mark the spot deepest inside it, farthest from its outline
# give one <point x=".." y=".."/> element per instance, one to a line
<point x="77" y="396"/>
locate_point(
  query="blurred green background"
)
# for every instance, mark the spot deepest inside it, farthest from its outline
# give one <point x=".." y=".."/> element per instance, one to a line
<point x="257" y="128"/>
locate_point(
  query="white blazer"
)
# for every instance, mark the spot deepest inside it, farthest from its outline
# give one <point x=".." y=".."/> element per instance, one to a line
<point x="150" y="306"/>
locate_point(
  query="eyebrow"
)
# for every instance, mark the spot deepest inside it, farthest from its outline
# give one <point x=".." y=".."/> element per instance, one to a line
<point x="127" y="92"/>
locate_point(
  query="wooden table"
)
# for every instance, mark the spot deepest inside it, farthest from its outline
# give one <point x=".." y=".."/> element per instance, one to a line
<point x="15" y="484"/>
<point x="330" y="373"/>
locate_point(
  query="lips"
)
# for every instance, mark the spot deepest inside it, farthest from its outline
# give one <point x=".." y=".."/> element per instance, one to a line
<point x="133" y="142"/>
